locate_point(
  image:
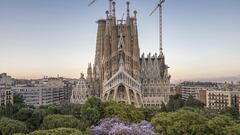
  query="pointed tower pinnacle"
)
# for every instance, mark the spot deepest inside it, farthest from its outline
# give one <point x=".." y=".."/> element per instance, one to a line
<point x="128" y="12"/>
<point x="107" y="32"/>
<point x="114" y="9"/>
<point x="135" y="21"/>
<point x="110" y="7"/>
<point x="113" y="12"/>
<point x="135" y="14"/>
<point x="89" y="71"/>
<point x="107" y="14"/>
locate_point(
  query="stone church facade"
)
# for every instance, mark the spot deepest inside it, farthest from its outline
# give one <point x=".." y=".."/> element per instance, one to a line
<point x="81" y="92"/>
<point x="118" y="72"/>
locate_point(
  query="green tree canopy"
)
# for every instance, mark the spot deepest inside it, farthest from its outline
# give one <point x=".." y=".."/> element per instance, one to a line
<point x="70" y="109"/>
<point x="53" y="109"/>
<point x="181" y="122"/>
<point x="17" y="99"/>
<point x="10" y="109"/>
<point x="9" y="126"/>
<point x="149" y="112"/>
<point x="233" y="130"/>
<point x="163" y="107"/>
<point x="232" y="112"/>
<point x="57" y="131"/>
<point x="56" y="121"/>
<point x="91" y="112"/>
<point x="123" y="111"/>
<point x="175" y="102"/>
<point x="36" y="119"/>
<point x="218" y="124"/>
<point x="192" y="102"/>
<point x="23" y="114"/>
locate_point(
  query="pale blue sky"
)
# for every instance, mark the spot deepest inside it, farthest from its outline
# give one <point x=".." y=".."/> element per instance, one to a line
<point x="201" y="38"/>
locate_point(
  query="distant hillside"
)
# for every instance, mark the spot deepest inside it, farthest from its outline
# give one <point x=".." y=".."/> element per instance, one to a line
<point x="223" y="79"/>
<point x="215" y="79"/>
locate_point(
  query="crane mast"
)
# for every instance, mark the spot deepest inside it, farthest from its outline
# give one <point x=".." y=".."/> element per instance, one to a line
<point x="159" y="6"/>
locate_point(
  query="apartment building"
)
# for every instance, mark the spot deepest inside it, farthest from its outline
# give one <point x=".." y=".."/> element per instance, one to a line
<point x="219" y="99"/>
<point x="41" y="95"/>
<point x="6" y="96"/>
<point x="195" y="89"/>
<point x="59" y="82"/>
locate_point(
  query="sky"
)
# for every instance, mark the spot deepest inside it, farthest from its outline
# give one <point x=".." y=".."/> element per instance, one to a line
<point x="201" y="38"/>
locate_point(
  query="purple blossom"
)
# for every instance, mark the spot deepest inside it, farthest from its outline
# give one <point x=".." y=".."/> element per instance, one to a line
<point x="114" y="126"/>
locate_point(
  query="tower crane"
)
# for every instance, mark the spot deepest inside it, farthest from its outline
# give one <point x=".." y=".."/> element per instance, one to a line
<point x="159" y="6"/>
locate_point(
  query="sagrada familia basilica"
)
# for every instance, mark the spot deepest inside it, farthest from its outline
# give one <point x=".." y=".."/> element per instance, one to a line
<point x="119" y="73"/>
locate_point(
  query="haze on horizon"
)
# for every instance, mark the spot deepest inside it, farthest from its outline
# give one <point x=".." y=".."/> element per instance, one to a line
<point x="49" y="37"/>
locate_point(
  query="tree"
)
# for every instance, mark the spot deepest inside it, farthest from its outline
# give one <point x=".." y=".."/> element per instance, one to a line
<point x="36" y="119"/>
<point x="9" y="126"/>
<point x="162" y="122"/>
<point x="94" y="102"/>
<point x="115" y="126"/>
<point x="23" y="114"/>
<point x="149" y="112"/>
<point x="57" y="131"/>
<point x="218" y="124"/>
<point x="175" y="102"/>
<point x="233" y="130"/>
<point x="192" y="102"/>
<point x="181" y="122"/>
<point x="232" y="112"/>
<point x="56" y="121"/>
<point x="206" y="112"/>
<point x="91" y="112"/>
<point x="163" y="107"/>
<point x="123" y="111"/>
<point x="69" y="109"/>
<point x="10" y="109"/>
<point x="17" y="99"/>
<point x="53" y="109"/>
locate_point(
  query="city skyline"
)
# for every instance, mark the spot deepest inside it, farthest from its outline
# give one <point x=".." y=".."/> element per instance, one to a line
<point x="46" y="38"/>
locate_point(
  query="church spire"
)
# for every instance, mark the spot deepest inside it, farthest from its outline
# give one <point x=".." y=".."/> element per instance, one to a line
<point x="107" y="14"/>
<point x="110" y="7"/>
<point x="128" y="12"/>
<point x="107" y="32"/>
<point x="135" y="14"/>
<point x="114" y="8"/>
<point x="113" y="12"/>
<point x="135" y="22"/>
